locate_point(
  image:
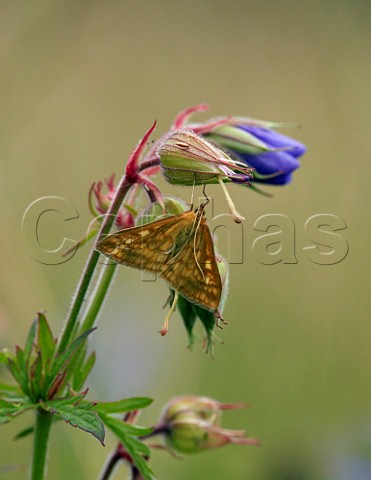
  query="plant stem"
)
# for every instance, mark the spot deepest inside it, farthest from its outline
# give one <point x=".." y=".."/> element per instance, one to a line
<point x="97" y="297"/>
<point x="120" y="454"/>
<point x="110" y="465"/>
<point x="40" y="444"/>
<point x="90" y="266"/>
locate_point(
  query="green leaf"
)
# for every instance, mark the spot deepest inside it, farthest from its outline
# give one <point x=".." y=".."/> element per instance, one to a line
<point x="46" y="342"/>
<point x="24" y="433"/>
<point x="8" y="410"/>
<point x="125" y="405"/>
<point x="14" y="370"/>
<point x="140" y="447"/>
<point x="71" y="400"/>
<point x="22" y="369"/>
<point x="188" y="315"/>
<point x="55" y="386"/>
<point x="132" y="445"/>
<point x="62" y="360"/>
<point x="17" y="374"/>
<point x="135" y="430"/>
<point x="78" y="415"/>
<point x="30" y="340"/>
<point x="137" y="449"/>
<point x="208" y="321"/>
<point x="10" y="390"/>
<point x="36" y="377"/>
<point x="81" y="375"/>
<point x="75" y="365"/>
<point x="5" y="355"/>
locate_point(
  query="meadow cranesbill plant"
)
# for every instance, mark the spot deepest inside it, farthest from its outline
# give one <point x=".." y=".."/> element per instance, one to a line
<point x="169" y="239"/>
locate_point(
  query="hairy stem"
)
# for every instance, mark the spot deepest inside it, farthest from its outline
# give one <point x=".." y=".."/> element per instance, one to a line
<point x="90" y="267"/>
<point x="97" y="297"/>
<point x="110" y="465"/>
<point x="40" y="445"/>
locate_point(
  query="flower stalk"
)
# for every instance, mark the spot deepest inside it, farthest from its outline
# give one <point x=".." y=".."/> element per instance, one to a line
<point x="90" y="266"/>
<point x="102" y="285"/>
<point x="40" y="446"/>
<point x="130" y="178"/>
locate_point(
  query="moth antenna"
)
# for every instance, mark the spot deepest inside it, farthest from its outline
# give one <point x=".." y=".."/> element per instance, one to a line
<point x="199" y="218"/>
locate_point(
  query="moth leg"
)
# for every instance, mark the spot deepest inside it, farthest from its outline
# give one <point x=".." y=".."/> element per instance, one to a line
<point x="219" y="319"/>
<point x="165" y="325"/>
<point x="168" y="301"/>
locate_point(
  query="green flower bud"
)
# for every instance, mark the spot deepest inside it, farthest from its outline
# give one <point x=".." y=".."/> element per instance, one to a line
<point x="189" y="159"/>
<point x="192" y="424"/>
<point x="171" y="206"/>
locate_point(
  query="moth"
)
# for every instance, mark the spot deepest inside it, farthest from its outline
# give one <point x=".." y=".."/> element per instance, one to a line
<point x="178" y="248"/>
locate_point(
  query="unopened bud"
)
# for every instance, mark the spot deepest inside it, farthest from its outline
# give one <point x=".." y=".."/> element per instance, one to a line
<point x="192" y="425"/>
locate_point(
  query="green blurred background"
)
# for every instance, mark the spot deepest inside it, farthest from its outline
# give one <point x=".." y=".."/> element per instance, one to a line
<point x="81" y="81"/>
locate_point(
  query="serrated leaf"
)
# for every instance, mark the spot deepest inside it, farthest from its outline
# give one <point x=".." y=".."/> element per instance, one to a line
<point x="30" y="341"/>
<point x="24" y="433"/>
<point x="45" y="339"/>
<point x="131" y="444"/>
<point x="62" y="360"/>
<point x="79" y="416"/>
<point x="8" y="410"/>
<point x="125" y="405"/>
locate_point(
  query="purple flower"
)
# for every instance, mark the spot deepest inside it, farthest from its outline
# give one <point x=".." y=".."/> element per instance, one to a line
<point x="272" y="167"/>
<point x="251" y="142"/>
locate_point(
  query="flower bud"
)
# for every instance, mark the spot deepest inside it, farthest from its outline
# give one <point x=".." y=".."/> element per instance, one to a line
<point x="100" y="202"/>
<point x="189" y="159"/>
<point x="171" y="206"/>
<point x="192" y="424"/>
<point x="272" y="156"/>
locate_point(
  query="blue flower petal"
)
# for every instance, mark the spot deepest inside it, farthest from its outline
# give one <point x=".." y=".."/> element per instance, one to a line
<point x="282" y="163"/>
<point x="274" y="139"/>
<point x="270" y="163"/>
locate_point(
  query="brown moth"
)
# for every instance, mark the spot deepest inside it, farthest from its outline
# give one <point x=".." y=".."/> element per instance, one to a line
<point x="178" y="248"/>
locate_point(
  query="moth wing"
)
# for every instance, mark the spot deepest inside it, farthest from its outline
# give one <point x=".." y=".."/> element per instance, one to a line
<point x="196" y="275"/>
<point x="145" y="247"/>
